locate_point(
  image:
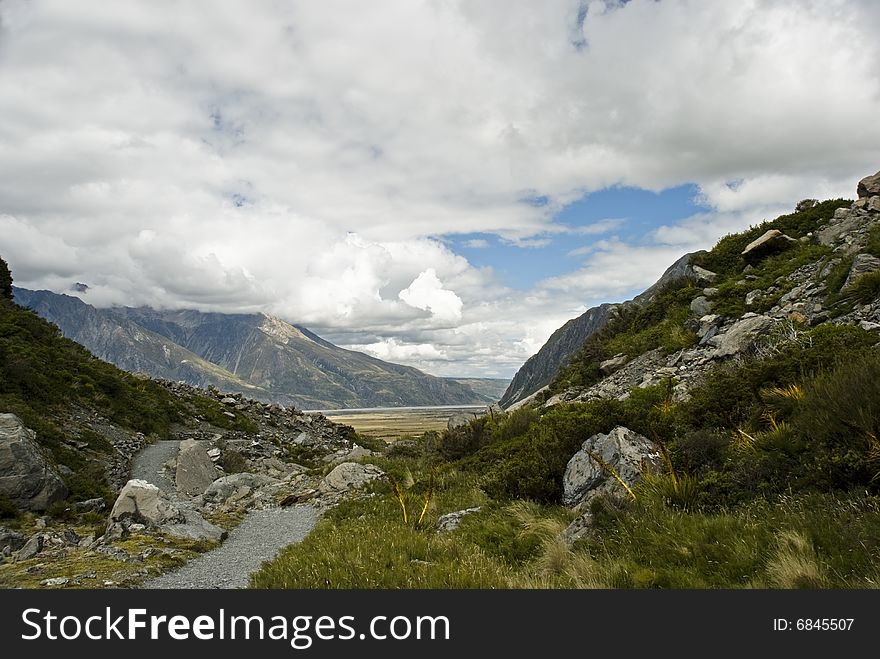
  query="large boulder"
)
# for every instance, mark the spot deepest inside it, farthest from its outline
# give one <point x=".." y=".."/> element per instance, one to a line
<point x="459" y="420"/>
<point x="27" y="477"/>
<point x="862" y="265"/>
<point x="771" y="242"/>
<point x="622" y="452"/>
<point x="869" y="186"/>
<point x="741" y="335"/>
<point x="349" y="476"/>
<point x="195" y="470"/>
<point x="614" y="364"/>
<point x="141" y="502"/>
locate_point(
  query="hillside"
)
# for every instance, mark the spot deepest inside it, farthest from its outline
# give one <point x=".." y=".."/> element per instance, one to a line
<point x="540" y="369"/>
<point x="722" y="434"/>
<point x="255" y="354"/>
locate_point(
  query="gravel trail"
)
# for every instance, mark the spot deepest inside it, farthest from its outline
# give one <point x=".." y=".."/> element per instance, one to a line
<point x="261" y="535"/>
<point x="147" y="465"/>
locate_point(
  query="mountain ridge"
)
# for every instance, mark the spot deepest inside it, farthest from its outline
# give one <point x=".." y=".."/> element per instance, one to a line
<point x="256" y="354"/>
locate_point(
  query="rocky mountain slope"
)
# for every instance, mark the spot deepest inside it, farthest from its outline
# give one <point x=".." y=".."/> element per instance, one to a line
<point x="70" y="428"/>
<point x="755" y="292"/>
<point x="259" y="355"/>
<point x="539" y="370"/>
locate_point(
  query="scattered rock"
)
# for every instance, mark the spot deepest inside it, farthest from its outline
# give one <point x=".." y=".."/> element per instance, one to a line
<point x="195" y="470"/>
<point x="862" y="265"/>
<point x="703" y="276"/>
<point x="27" y="477"/>
<point x="55" y="581"/>
<point x="771" y="242"/>
<point x="459" y="420"/>
<point x="349" y="476"/>
<point x="710" y="292"/>
<point x="223" y="488"/>
<point x="869" y="186"/>
<point x="579" y="528"/>
<point x="10" y="541"/>
<point x="91" y="505"/>
<point x="450" y="521"/>
<point x="589" y="472"/>
<point x="740" y="336"/>
<point x="752" y="297"/>
<point x="609" y="366"/>
<point x="144" y="503"/>
<point x="701" y="305"/>
<point x="194" y="527"/>
<point x="31" y="548"/>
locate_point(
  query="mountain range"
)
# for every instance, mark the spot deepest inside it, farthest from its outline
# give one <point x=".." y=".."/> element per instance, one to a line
<point x="540" y="369"/>
<point x="256" y="354"/>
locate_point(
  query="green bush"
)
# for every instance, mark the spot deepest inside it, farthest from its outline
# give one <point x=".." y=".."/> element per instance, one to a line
<point x="866" y="288"/>
<point x="840" y="418"/>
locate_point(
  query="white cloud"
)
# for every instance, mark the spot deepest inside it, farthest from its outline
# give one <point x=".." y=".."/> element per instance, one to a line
<point x="308" y="158"/>
<point x="426" y="292"/>
<point x="477" y="243"/>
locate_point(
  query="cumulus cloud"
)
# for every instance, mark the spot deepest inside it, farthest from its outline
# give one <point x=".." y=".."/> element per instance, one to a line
<point x="426" y="292"/>
<point x="308" y="159"/>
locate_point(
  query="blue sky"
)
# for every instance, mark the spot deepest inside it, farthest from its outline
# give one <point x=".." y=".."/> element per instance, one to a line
<point x="439" y="184"/>
<point x="627" y="213"/>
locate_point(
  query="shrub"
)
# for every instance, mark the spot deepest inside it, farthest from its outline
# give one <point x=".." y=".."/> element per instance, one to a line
<point x="866" y="288"/>
<point x="840" y="417"/>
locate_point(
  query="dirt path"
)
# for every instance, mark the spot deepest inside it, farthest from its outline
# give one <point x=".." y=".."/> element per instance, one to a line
<point x="259" y="537"/>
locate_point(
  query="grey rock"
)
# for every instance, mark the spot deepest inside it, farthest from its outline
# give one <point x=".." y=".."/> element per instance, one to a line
<point x="224" y="488"/>
<point x="862" y="265"/>
<point x="349" y="476"/>
<point x="451" y="521"/>
<point x="704" y="276"/>
<point x="752" y="297"/>
<point x="31" y="548"/>
<point x="10" y="540"/>
<point x="27" y="477"/>
<point x="355" y="453"/>
<point x="622" y="450"/>
<point x="701" y="305"/>
<point x="609" y="366"/>
<point x="194" y="527"/>
<point x="195" y="470"/>
<point x="771" y="242"/>
<point x="228" y="400"/>
<point x="710" y="292"/>
<point x="869" y="186"/>
<point x="144" y="503"/>
<point x="91" y="505"/>
<point x="581" y="527"/>
<point x="459" y="420"/>
<point x="741" y="335"/>
<point x="55" y="581"/>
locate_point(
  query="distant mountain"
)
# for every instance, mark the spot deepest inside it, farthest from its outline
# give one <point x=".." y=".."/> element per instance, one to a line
<point x="260" y="355"/>
<point x="490" y="389"/>
<point x="540" y="369"/>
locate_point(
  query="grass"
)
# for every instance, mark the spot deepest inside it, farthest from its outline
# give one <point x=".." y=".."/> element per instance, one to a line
<point x="85" y="568"/>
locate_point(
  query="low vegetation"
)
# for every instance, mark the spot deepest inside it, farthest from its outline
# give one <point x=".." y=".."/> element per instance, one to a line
<point x="772" y="468"/>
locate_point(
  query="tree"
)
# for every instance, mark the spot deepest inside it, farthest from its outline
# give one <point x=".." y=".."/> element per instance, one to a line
<point x="5" y="281"/>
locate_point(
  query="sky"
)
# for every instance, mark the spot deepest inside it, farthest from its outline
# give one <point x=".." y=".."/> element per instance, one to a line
<point x="439" y="183"/>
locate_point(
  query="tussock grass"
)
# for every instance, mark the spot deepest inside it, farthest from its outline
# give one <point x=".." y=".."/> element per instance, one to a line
<point x="794" y="563"/>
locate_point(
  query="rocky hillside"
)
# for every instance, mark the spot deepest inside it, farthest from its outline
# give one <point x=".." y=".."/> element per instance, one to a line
<point x="540" y="369"/>
<point x="755" y="291"/>
<point x="255" y="354"/>
<point x="72" y="428"/>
